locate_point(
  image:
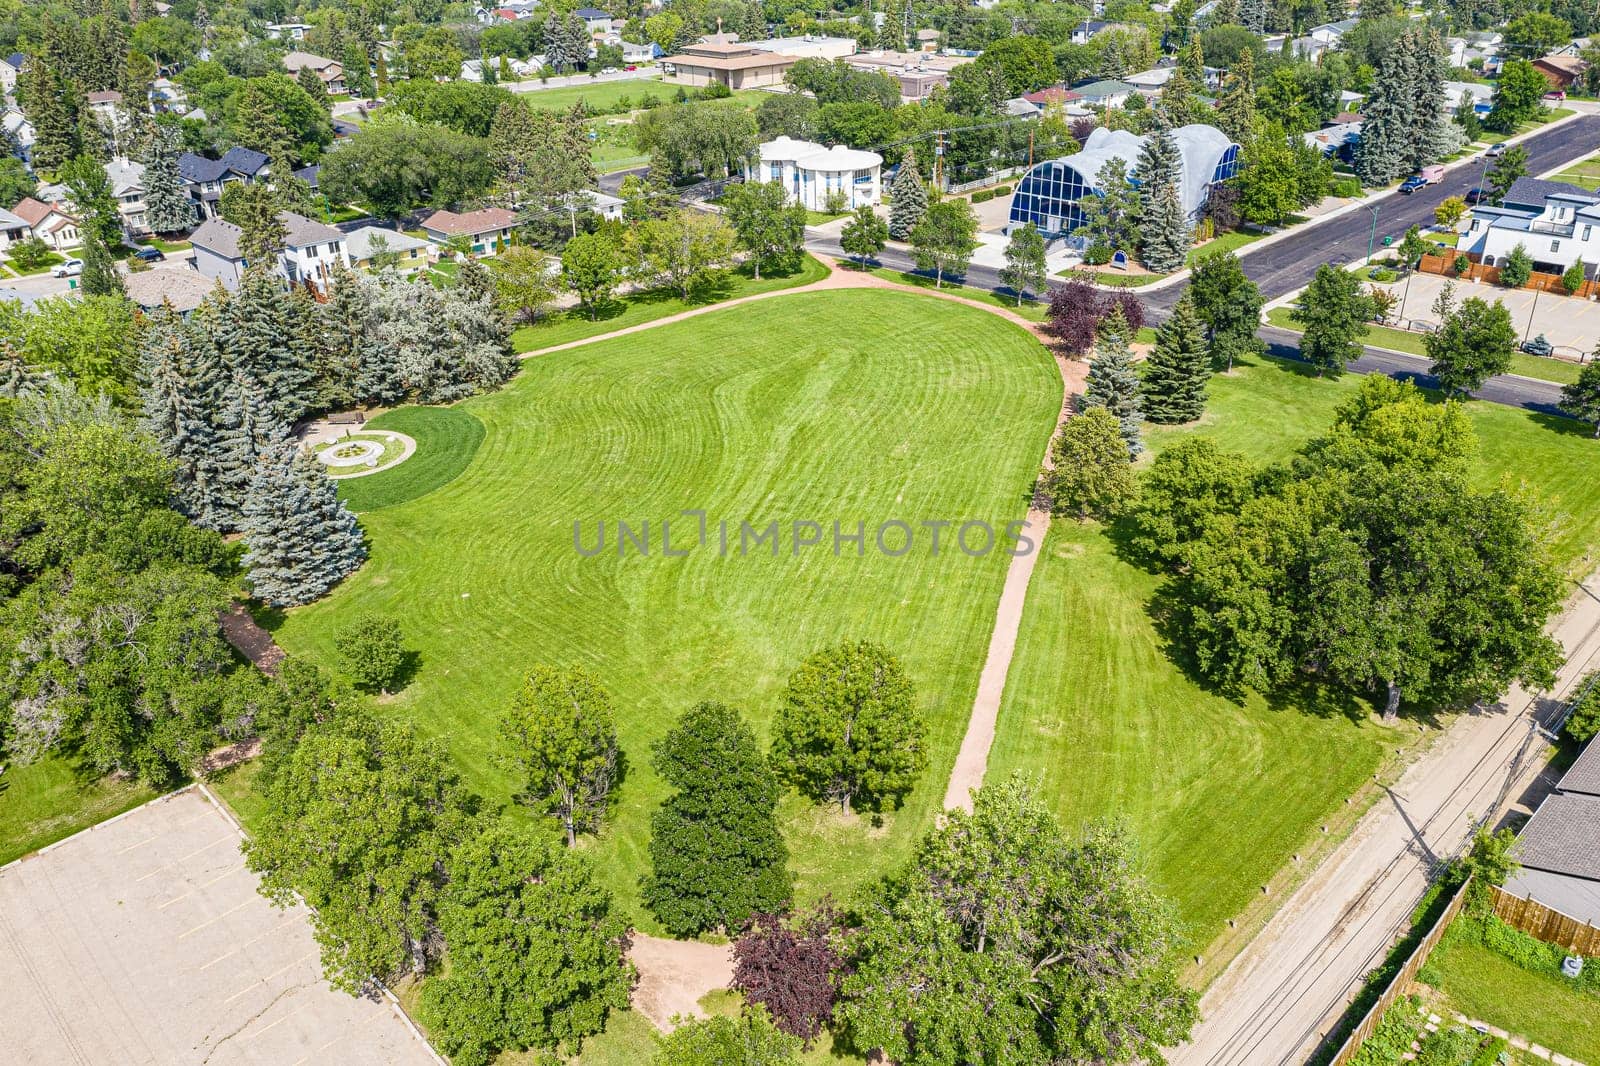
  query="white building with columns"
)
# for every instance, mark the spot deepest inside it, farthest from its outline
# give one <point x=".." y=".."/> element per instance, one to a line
<point x="811" y="173"/>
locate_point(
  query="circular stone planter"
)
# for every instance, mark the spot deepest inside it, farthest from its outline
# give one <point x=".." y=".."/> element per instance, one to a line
<point x="360" y="454"/>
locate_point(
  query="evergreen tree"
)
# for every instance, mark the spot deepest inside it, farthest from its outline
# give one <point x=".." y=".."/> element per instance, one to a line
<point x="1192" y="61"/>
<point x="1175" y="375"/>
<point x="255" y="209"/>
<point x="716" y="854"/>
<point x="1581" y="399"/>
<point x="302" y="540"/>
<point x="1110" y="220"/>
<point x="100" y="276"/>
<point x="1164" y="228"/>
<point x="248" y="434"/>
<point x="260" y="335"/>
<point x="1236" y="108"/>
<point x="1404" y="109"/>
<point x="172" y="396"/>
<point x="54" y="104"/>
<point x="1113" y="380"/>
<point x="1253" y="16"/>
<point x="168" y="208"/>
<point x="909" y="199"/>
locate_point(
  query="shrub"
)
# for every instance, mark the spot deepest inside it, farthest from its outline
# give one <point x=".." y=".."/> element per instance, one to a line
<point x="983" y="196"/>
<point x="372" y="652"/>
<point x="1384" y="274"/>
<point x="1391" y="1039"/>
<point x="1517" y="268"/>
<point x="1463" y="264"/>
<point x="1347" y="188"/>
<point x="1097" y="254"/>
<point x="30" y="254"/>
<point x="1002" y="190"/>
<point x="1447" y="1047"/>
<point x="1583" y="721"/>
<point x="1572" y="278"/>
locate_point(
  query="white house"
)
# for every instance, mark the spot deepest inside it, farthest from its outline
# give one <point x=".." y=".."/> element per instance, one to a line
<point x="17" y="132"/>
<point x="812" y="174"/>
<point x="1482" y="95"/>
<point x="13" y="228"/>
<point x="292" y="31"/>
<point x="604" y="204"/>
<point x="10" y="67"/>
<point x="49" y="222"/>
<point x="127" y="185"/>
<point x="1555" y="223"/>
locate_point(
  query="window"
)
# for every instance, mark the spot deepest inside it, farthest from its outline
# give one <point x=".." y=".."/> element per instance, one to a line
<point x="1475" y="223"/>
<point x="1555" y="246"/>
<point x="1586" y="231"/>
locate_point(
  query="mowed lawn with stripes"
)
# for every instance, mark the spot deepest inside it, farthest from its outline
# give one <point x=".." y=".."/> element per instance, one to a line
<point x="848" y="406"/>
<point x="1221" y="794"/>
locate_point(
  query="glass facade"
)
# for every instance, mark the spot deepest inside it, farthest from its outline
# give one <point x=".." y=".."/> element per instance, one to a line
<point x="1227" y="166"/>
<point x="1048" y="197"/>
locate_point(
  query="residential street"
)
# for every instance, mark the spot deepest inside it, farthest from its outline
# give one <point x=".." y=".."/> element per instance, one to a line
<point x="1278" y="998"/>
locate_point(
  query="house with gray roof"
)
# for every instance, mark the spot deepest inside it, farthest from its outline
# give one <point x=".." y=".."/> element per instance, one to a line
<point x="204" y="178"/>
<point x="1559" y="848"/>
<point x="365" y="245"/>
<point x="310" y="253"/>
<point x="13" y="228"/>
<point x="1557" y="224"/>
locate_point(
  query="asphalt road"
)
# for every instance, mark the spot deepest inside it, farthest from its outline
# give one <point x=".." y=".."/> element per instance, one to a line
<point x="1287" y="265"/>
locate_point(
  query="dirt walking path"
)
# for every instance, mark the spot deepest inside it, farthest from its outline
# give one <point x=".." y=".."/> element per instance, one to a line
<point x="674" y="975"/>
<point x="1280" y="996"/>
<point x="839" y="277"/>
<point x="250" y="640"/>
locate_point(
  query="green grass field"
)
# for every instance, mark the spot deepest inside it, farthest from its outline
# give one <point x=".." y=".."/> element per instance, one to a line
<point x="1222" y="794"/>
<point x="1031" y="309"/>
<point x="447" y="439"/>
<point x="920" y="409"/>
<point x="563" y="327"/>
<point x="1488" y="987"/>
<point x="51" y="799"/>
<point x="1534" y="366"/>
<point x="601" y="95"/>
<point x="1231" y="241"/>
<point x="1585" y="173"/>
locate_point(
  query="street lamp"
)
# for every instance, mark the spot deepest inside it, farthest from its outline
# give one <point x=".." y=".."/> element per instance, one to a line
<point x="1373" y="236"/>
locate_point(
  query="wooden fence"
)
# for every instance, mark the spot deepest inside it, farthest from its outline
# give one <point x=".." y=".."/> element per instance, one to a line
<point x="1551" y="926"/>
<point x="1402" y="981"/>
<point x="1446" y="265"/>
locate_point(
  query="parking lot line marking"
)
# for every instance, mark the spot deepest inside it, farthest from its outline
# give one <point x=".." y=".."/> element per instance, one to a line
<point x="268" y="1028"/>
<point x="226" y="873"/>
<point x="270" y="976"/>
<point x="218" y="918"/>
<point x="192" y="854"/>
<point x="141" y="844"/>
<point x="175" y="899"/>
<point x="317" y="1051"/>
<point x="260" y="936"/>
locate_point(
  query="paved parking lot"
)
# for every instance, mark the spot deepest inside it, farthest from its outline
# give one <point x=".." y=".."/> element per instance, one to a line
<point x="144" y="940"/>
<point x="1571" y="324"/>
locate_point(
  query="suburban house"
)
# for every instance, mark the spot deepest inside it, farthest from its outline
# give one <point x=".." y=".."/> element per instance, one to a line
<point x="18" y="133"/>
<point x="485" y="229"/>
<point x="604" y="204"/>
<point x="127" y="185"/>
<point x="104" y="104"/>
<point x="49" y="222"/>
<point x="330" y="71"/>
<point x="1556" y="223"/>
<point x="367" y="243"/>
<point x="1337" y="138"/>
<point x="310" y="251"/>
<point x="594" y="19"/>
<point x="640" y="53"/>
<point x="204" y="178"/>
<point x="1559" y="863"/>
<point x="10" y="67"/>
<point x="1560" y="71"/>
<point x="13" y="228"/>
<point x="179" y="287"/>
<point x="1482" y="95"/>
<point x="311" y="175"/>
<point x="1086" y="31"/>
<point x="290" y="31"/>
<point x="812" y="175"/>
<point x="927" y="40"/>
<point x="168" y="95"/>
<point x="719" y="61"/>
<point x="1049" y="193"/>
<point x="1104" y="93"/>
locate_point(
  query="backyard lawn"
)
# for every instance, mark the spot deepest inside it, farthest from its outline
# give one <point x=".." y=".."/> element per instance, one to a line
<point x="1220" y="794"/>
<point x="1488" y="987"/>
<point x="918" y="410"/>
<point x="563" y="327"/>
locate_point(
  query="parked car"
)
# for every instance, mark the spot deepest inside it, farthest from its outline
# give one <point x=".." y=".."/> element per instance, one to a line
<point x="1555" y="96"/>
<point x="1476" y="195"/>
<point x="1496" y="150"/>
<point x="1538" y="346"/>
<point x="631" y="66"/>
<point x="149" y="254"/>
<point x="70" y="269"/>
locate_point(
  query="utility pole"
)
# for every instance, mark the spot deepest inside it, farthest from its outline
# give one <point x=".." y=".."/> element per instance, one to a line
<point x="1373" y="236"/>
<point x="938" y="161"/>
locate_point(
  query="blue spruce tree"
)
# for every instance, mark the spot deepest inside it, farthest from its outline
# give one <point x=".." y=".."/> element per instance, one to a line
<point x="302" y="540"/>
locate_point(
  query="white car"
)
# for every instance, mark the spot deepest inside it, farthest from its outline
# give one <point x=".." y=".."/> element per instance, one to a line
<point x="70" y="269"/>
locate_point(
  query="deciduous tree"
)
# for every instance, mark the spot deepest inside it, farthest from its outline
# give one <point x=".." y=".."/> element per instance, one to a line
<point x="1471" y="345"/>
<point x="1003" y="940"/>
<point x="1025" y="270"/>
<point x="793" y="968"/>
<point x="1229" y="304"/>
<point x="865" y="235"/>
<point x="765" y="224"/>
<point x="716" y="855"/>
<point x="372" y="651"/>
<point x="944" y="240"/>
<point x="848" y="730"/>
<point x="1334" y="312"/>
<point x="1092" y="473"/>
<point x="561" y="737"/>
<point x="591" y="266"/>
